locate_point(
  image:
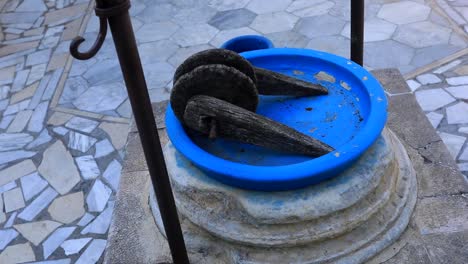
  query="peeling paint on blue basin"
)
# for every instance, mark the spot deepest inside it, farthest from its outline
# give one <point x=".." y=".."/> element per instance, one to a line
<point x="349" y="119"/>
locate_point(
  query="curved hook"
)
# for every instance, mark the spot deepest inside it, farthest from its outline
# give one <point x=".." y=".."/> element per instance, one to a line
<point x="76" y="42"/>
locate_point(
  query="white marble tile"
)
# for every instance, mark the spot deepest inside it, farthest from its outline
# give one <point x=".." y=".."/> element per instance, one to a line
<point x="58" y="168"/>
<point x="434" y="118"/>
<point x="6" y="236"/>
<point x="82" y="124"/>
<point x="433" y="99"/>
<point x="60" y="130"/>
<point x="103" y="148"/>
<point x="9" y="156"/>
<point x="2" y="213"/>
<point x="36" y="99"/>
<point x="447" y="67"/>
<point x="459" y="92"/>
<point x="456" y="114"/>
<point x="260" y="7"/>
<point x="6" y="121"/>
<point x="35" y="232"/>
<point x="13" y="200"/>
<point x="74" y="246"/>
<point x="20" y="121"/>
<point x="57" y="261"/>
<point x="88" y="167"/>
<point x="454" y="143"/>
<point x="36" y="124"/>
<point x="112" y="174"/>
<point x="101" y="223"/>
<point x="86" y="219"/>
<point x="32" y="6"/>
<point x="7" y="187"/>
<point x="462" y="80"/>
<point x="20" y="80"/>
<point x="463" y="130"/>
<point x="13" y="141"/>
<point x="43" y="138"/>
<point x="104" y="97"/>
<point x="10" y="220"/>
<point x="16" y="171"/>
<point x="428" y="78"/>
<point x="38" y="57"/>
<point x="80" y="141"/>
<point x="32" y="184"/>
<point x="413" y="85"/>
<point x="56" y="239"/>
<point x="52" y="85"/>
<point x="15" y="108"/>
<point x="36" y="73"/>
<point x="274" y="22"/>
<point x="94" y="251"/>
<point x="98" y="196"/>
<point x="38" y="204"/>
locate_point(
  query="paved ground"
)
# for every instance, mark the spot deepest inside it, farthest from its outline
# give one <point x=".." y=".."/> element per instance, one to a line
<point x="64" y="122"/>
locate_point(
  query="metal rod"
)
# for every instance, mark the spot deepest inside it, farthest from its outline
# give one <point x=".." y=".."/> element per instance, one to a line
<point x="357" y="31"/>
<point x="125" y="44"/>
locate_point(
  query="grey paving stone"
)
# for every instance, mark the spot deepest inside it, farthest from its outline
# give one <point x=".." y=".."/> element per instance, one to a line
<point x="433" y="99"/>
<point x="461" y="80"/>
<point x="86" y="219"/>
<point x="7" y="187"/>
<point x="101" y="223"/>
<point x="93" y="252"/>
<point x="10" y="220"/>
<point x="454" y="143"/>
<point x="103" y="148"/>
<point x="43" y="138"/>
<point x="36" y="99"/>
<point x="20" y="80"/>
<point x="112" y="174"/>
<point x="274" y="22"/>
<point x="260" y="7"/>
<point x="459" y="92"/>
<point x="60" y="131"/>
<point x="157" y="51"/>
<point x="68" y="208"/>
<point x="38" y="57"/>
<point x="38" y="204"/>
<point x="447" y="247"/>
<point x="232" y="19"/>
<point x="404" y="12"/>
<point x="156" y="31"/>
<point x="13" y="200"/>
<point x="35" y="232"/>
<point x="22" y="18"/>
<point x="194" y="35"/>
<point x="36" y="73"/>
<point x="88" y="167"/>
<point x="32" y="6"/>
<point x="14" y="141"/>
<point x="20" y="121"/>
<point x="289" y="39"/>
<point x="447" y="66"/>
<point x="25" y="93"/>
<point x="337" y="45"/>
<point x="82" y="124"/>
<point x="428" y="78"/>
<point x="9" y="156"/>
<point x="427" y="55"/>
<point x="58" y="168"/>
<point x="183" y="53"/>
<point x="101" y="97"/>
<point x="155" y="13"/>
<point x="80" y="141"/>
<point x="464" y="155"/>
<point x="413" y="85"/>
<point x="52" y="85"/>
<point x="318" y="26"/>
<point x="308" y="8"/>
<point x="6" y="120"/>
<point x="32" y="184"/>
<point x="19" y="253"/>
<point x="74" y="246"/>
<point x="158" y="75"/>
<point x="223" y="5"/>
<point x="422" y="34"/>
<point x="386" y="54"/>
<point x="463" y="130"/>
<point x="434" y="118"/>
<point x="56" y="239"/>
<point x="103" y="72"/>
<point x="456" y="114"/>
<point x="195" y="15"/>
<point x="73" y="88"/>
<point x="374" y="30"/>
<point x="98" y="196"/>
<point x="36" y="124"/>
<point x="125" y="109"/>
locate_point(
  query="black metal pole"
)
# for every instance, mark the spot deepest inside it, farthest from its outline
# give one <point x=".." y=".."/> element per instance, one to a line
<point x="357" y="31"/>
<point x="116" y="12"/>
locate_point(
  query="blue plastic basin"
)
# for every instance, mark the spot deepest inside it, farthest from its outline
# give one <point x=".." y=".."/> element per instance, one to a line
<point x="247" y="43"/>
<point x="349" y="118"/>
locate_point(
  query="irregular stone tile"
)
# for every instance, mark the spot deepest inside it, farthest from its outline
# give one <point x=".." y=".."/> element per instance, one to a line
<point x="80" y="141"/>
<point x="424" y="56"/>
<point x="194" y="35"/>
<point x="7" y="187"/>
<point x="68" y="208"/>
<point x="10" y="49"/>
<point x="4" y="91"/>
<point x="459" y="92"/>
<point x="217" y="41"/>
<point x="317" y="26"/>
<point x="19" y="83"/>
<point x="58" y="261"/>
<point x="456" y="114"/>
<point x="396" y="54"/>
<point x="196" y="15"/>
<point x="159" y="94"/>
<point x="464" y="155"/>
<point x="38" y="57"/>
<point x="34" y="32"/>
<point x="42" y="139"/>
<point x="101" y="224"/>
<point x="36" y="124"/>
<point x="56" y="239"/>
<point x="117" y="132"/>
<point x="36" y="73"/>
<point x="59" y="118"/>
<point x="374" y="30"/>
<point x="125" y="109"/>
<point x="447" y="67"/>
<point x="57" y="61"/>
<point x="16" y="171"/>
<point x="422" y="34"/>
<point x="38" y="204"/>
<point x="13" y="141"/>
<point x="93" y="252"/>
<point x="32" y="184"/>
<point x="74" y="87"/>
<point x="232" y="19"/>
<point x="65" y="15"/>
<point x="86" y="219"/>
<point x="2" y="214"/>
<point x="98" y="196"/>
<point x="259" y="6"/>
<point x="58" y="168"/>
<point x="18" y="253"/>
<point x="288" y="39"/>
<point x="103" y="73"/>
<point x="433" y="99"/>
<point x="413" y="85"/>
<point x="3" y="104"/>
<point x="61" y="130"/>
<point x="88" y="167"/>
<point x="274" y="22"/>
<point x="308" y="8"/>
<point x="457" y="80"/>
<point x="32" y="6"/>
<point x="36" y="99"/>
<point x="11" y="220"/>
<point x="463" y="130"/>
<point x="101" y="98"/>
<point x="156" y="31"/>
<point x="13" y="200"/>
<point x="454" y="143"/>
<point x="463" y="166"/>
<point x="112" y="174"/>
<point x="24" y="94"/>
<point x="6" y="236"/>
<point x="103" y="148"/>
<point x="20" y="121"/>
<point x="434" y="118"/>
<point x="35" y="232"/>
<point x="82" y="124"/>
<point x="404" y="12"/>
<point x="462" y="70"/>
<point x="157" y="51"/>
<point x="9" y="156"/>
<point x="74" y="246"/>
<point x="223" y="5"/>
<point x="428" y="78"/>
<point x="157" y="13"/>
<point x="52" y="85"/>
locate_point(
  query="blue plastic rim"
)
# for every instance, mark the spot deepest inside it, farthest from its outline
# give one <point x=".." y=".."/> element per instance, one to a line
<point x="349" y="119"/>
<point x="247" y="43"/>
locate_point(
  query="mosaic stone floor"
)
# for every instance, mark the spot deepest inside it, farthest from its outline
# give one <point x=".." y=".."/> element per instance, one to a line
<point x="64" y="123"/>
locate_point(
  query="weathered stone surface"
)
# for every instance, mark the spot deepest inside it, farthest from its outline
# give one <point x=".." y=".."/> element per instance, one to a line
<point x="56" y="239"/>
<point x="88" y="167"/>
<point x="274" y="22"/>
<point x="433" y="99"/>
<point x="20" y="121"/>
<point x="374" y="30"/>
<point x="101" y="223"/>
<point x="194" y="35"/>
<point x="454" y="143"/>
<point x="6" y="236"/>
<point x="68" y="208"/>
<point x="259" y="6"/>
<point x="232" y="19"/>
<point x="156" y="31"/>
<point x="35" y="232"/>
<point x="59" y="118"/>
<point x="80" y="141"/>
<point x="459" y="92"/>
<point x="98" y="196"/>
<point x="14" y="141"/>
<point x="13" y="200"/>
<point x="74" y="246"/>
<point x="456" y="114"/>
<point x="58" y="168"/>
<point x="16" y="171"/>
<point x="422" y="34"/>
<point x="82" y="124"/>
<point x="93" y="252"/>
<point x="19" y="253"/>
<point x="428" y="78"/>
<point x="32" y="184"/>
<point x="308" y="8"/>
<point x="434" y="118"/>
<point x="117" y="132"/>
<point x="101" y="98"/>
<point x="404" y="12"/>
<point x="39" y="204"/>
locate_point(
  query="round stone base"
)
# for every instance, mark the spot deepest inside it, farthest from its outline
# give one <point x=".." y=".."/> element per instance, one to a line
<point x="347" y="219"/>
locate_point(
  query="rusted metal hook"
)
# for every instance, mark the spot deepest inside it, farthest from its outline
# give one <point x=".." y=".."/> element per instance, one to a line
<point x="76" y="42"/>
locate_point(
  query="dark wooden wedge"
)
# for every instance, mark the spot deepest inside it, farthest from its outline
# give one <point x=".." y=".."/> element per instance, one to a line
<point x="215" y="117"/>
<point x="273" y="83"/>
